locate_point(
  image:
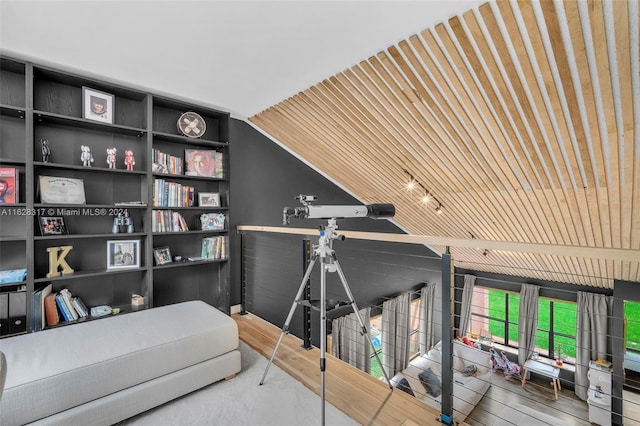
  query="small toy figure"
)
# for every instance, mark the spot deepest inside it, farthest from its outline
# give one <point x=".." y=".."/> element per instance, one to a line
<point x="111" y="157"/>
<point x="45" y="150"/>
<point x="129" y="159"/>
<point x="86" y="156"/>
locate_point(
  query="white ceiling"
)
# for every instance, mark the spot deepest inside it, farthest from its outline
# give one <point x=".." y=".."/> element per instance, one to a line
<point x="239" y="56"/>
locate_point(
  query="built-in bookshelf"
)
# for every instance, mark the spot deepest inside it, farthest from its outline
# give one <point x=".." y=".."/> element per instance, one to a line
<point x="54" y="139"/>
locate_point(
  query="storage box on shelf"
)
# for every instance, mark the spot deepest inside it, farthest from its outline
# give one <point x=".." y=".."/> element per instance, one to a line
<point x="49" y="131"/>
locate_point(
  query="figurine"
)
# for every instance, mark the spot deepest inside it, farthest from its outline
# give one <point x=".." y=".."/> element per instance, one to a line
<point x="129" y="159"/>
<point x="111" y="157"/>
<point x="45" y="150"/>
<point x="86" y="156"/>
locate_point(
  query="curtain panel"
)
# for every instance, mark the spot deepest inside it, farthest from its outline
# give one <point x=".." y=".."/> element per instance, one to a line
<point x="465" y="305"/>
<point x="592" y="335"/>
<point x="395" y="334"/>
<point x="427" y="314"/>
<point x="348" y="343"/>
<point x="527" y="321"/>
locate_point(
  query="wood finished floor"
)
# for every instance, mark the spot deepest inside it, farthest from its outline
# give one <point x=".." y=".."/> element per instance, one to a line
<point x="369" y="401"/>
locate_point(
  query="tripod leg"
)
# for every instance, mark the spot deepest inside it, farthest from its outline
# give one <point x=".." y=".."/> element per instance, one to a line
<point x="356" y="310"/>
<point x="323" y="333"/>
<point x="294" y="305"/>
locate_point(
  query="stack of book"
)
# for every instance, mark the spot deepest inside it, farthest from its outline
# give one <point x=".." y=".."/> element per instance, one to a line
<point x="214" y="247"/>
<point x="64" y="304"/>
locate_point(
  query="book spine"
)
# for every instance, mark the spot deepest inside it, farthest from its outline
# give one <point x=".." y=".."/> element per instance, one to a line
<point x="67" y="300"/>
<point x="63" y="309"/>
<point x="51" y="310"/>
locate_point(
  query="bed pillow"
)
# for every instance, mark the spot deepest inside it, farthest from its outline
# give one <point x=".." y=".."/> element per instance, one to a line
<point x="431" y="382"/>
<point x="404" y="386"/>
<point x="469" y="370"/>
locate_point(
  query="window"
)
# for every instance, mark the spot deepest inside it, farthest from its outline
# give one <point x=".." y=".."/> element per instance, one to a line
<point x="632" y="319"/>
<point x="494" y="314"/>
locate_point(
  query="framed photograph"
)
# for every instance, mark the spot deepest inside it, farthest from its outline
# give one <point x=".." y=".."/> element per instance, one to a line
<point x="52" y="225"/>
<point x="208" y="199"/>
<point x="123" y="254"/>
<point x="61" y="190"/>
<point x="97" y="105"/>
<point x="200" y="162"/>
<point x="162" y="255"/>
<point x="9" y="184"/>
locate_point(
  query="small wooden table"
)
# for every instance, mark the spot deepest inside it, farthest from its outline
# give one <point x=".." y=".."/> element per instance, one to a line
<point x="543" y="369"/>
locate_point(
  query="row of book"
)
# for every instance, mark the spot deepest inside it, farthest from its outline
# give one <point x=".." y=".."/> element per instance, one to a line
<point x="165" y="163"/>
<point x="168" y="221"/>
<point x="172" y="194"/>
<point x="64" y="306"/>
<point x="215" y="247"/>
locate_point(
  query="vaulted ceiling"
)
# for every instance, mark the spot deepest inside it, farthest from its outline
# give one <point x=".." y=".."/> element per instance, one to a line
<point x="517" y="117"/>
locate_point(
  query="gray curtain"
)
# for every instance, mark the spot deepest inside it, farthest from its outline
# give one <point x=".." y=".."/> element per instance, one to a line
<point x="427" y="314"/>
<point x="592" y="335"/>
<point x="465" y="306"/>
<point x="527" y="321"/>
<point x="395" y="334"/>
<point x="348" y="343"/>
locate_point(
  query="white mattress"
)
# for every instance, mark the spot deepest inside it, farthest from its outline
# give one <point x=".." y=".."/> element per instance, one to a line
<point x="61" y="368"/>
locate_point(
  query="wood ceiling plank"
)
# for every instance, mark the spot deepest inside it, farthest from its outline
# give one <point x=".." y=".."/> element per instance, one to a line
<point x="585" y="96"/>
<point x="560" y="58"/>
<point x="491" y="96"/>
<point x="527" y="23"/>
<point x="539" y="97"/>
<point x="516" y="90"/>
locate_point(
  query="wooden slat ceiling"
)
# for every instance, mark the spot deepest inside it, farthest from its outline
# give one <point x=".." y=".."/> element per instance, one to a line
<point x="518" y="117"/>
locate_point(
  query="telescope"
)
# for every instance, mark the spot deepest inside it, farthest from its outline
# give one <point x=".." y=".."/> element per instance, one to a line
<point x="308" y="211"/>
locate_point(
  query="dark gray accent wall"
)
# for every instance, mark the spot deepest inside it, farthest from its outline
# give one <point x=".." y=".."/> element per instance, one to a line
<point x="264" y="179"/>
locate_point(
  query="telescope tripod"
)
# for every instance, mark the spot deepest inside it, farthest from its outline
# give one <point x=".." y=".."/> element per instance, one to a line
<point x="324" y="251"/>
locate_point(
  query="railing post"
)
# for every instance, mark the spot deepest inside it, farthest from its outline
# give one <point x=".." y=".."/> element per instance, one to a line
<point x="448" y="299"/>
<point x="243" y="275"/>
<point x="306" y="311"/>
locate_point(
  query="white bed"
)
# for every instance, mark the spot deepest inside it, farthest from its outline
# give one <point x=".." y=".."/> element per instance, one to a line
<point x="467" y="390"/>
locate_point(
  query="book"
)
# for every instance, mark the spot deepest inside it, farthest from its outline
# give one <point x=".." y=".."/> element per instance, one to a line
<point x="62" y="307"/>
<point x="81" y="308"/>
<point x="9" y="185"/>
<point x="66" y="294"/>
<point x="51" y="310"/>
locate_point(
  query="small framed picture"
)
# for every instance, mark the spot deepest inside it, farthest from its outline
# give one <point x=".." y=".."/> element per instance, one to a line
<point x="123" y="254"/>
<point x="97" y="105"/>
<point x="162" y="255"/>
<point x="208" y="199"/>
<point x="52" y="225"/>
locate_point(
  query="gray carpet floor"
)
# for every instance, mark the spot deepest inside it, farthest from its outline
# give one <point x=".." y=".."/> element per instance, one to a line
<point x="280" y="401"/>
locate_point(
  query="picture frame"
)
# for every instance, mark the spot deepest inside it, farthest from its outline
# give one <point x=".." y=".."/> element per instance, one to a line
<point x="123" y="254"/>
<point x="61" y="190"/>
<point x="212" y="221"/>
<point x="162" y="255"/>
<point x="208" y="199"/>
<point x="97" y="105"/>
<point x="200" y="162"/>
<point x="52" y="225"/>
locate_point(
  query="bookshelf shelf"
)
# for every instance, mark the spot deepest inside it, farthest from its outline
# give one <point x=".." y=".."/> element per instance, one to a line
<point x="185" y="263"/>
<point x="40" y="103"/>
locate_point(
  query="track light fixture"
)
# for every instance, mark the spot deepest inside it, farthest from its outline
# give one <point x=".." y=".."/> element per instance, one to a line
<point x="427" y="197"/>
<point x="484" y="252"/>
